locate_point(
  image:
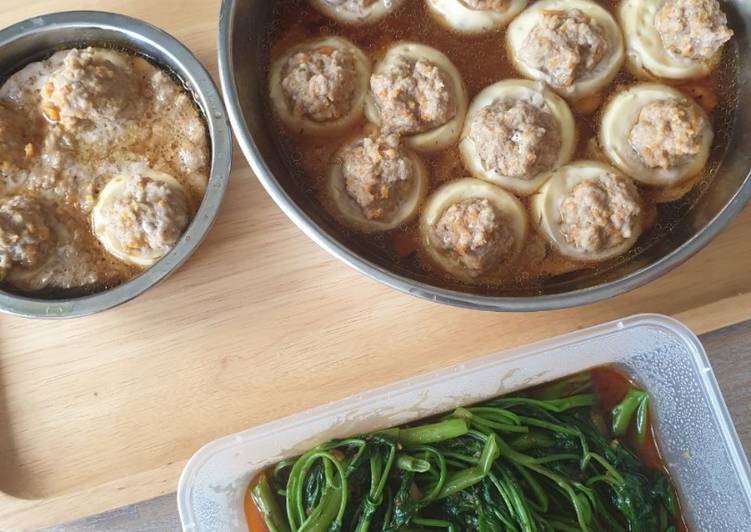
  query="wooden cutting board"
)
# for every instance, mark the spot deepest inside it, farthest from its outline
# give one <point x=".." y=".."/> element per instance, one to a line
<point x="260" y="323"/>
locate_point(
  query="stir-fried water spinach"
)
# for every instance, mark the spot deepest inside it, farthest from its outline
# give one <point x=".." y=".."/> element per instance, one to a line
<point x="546" y="461"/>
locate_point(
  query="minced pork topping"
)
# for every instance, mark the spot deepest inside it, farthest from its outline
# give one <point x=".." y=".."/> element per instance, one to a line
<point x="599" y="214"/>
<point x="668" y="133"/>
<point x="474" y="233"/>
<point x="377" y="174"/>
<point x="413" y="96"/>
<point x="90" y="88"/>
<point x="149" y="217"/>
<point x="516" y="138"/>
<point x="320" y="84"/>
<point x="483" y="5"/>
<point x="565" y="45"/>
<point x="694" y="29"/>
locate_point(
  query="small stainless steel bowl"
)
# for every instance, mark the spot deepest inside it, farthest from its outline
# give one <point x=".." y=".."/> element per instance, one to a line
<point x="244" y="29"/>
<point x="36" y="39"/>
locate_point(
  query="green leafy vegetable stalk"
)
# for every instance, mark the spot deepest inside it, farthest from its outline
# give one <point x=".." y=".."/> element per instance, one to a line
<point x="635" y="402"/>
<point x="524" y="463"/>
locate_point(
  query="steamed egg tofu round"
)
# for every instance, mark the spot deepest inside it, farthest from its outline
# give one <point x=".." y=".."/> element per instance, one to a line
<point x="575" y="46"/>
<point x="473" y="229"/>
<point x="139" y="218"/>
<point x="357" y="12"/>
<point x="374" y="184"/>
<point x="648" y="25"/>
<point x="589" y="212"/>
<point x="515" y="133"/>
<point x="475" y="16"/>
<point x="318" y="88"/>
<point x="417" y="93"/>
<point x="656" y="135"/>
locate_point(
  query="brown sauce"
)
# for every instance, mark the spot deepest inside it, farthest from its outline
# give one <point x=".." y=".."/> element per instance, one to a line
<point x="482" y="60"/>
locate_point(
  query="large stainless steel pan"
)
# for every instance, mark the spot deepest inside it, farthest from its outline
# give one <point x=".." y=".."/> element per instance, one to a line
<point x="243" y="51"/>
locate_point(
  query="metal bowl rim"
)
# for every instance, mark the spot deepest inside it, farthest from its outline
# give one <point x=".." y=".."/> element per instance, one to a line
<point x="425" y="291"/>
<point x="179" y="57"/>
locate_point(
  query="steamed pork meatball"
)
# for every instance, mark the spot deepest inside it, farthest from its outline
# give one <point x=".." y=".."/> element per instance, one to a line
<point x="320" y="84"/>
<point x="25" y="237"/>
<point x="516" y="138"/>
<point x="14" y="148"/>
<point x="90" y="87"/>
<point x="377" y="175"/>
<point x="564" y="45"/>
<point x="693" y="29"/>
<point x="668" y="133"/>
<point x="600" y="214"/>
<point x="475" y="17"/>
<point x="475" y="233"/>
<point x="148" y="218"/>
<point x="413" y="96"/>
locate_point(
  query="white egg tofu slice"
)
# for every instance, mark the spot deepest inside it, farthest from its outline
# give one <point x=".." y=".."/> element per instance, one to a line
<point x="646" y="57"/>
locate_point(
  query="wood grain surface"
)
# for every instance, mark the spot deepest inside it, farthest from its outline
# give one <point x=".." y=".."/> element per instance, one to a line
<point x="260" y="323"/>
<point x="728" y="350"/>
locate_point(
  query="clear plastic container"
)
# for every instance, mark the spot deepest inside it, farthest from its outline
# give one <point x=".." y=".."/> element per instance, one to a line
<point x="694" y="432"/>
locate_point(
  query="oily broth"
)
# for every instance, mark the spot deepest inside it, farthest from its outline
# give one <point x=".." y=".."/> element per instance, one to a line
<point x="110" y="272"/>
<point x="482" y="60"/>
